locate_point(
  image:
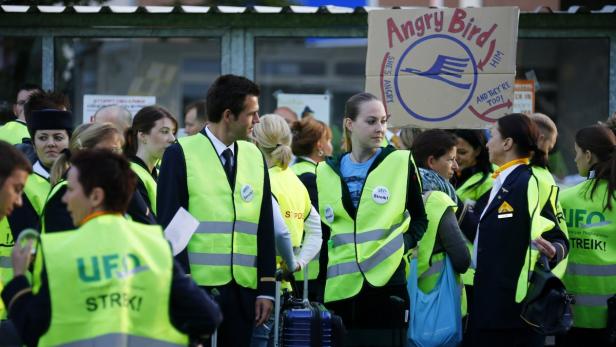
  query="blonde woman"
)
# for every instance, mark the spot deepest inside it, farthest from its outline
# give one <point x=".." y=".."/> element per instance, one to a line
<point x="273" y="137"/>
<point x="55" y="216"/>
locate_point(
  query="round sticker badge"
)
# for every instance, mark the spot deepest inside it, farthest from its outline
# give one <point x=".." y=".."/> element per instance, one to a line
<point x="247" y="193"/>
<point x="329" y="214"/>
<point x="380" y="195"/>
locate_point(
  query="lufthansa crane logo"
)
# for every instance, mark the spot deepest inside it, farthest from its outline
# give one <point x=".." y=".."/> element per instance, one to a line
<point x="441" y="67"/>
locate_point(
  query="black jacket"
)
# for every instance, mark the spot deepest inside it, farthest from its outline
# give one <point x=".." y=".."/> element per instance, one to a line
<point x="503" y="244"/>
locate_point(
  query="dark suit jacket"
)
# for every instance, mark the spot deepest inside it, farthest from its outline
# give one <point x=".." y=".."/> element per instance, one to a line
<point x="503" y="243"/>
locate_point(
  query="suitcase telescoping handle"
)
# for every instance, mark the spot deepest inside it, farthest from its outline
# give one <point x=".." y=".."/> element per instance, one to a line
<point x="279" y="276"/>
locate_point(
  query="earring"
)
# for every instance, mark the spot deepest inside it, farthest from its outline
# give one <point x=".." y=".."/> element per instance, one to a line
<point x="320" y="153"/>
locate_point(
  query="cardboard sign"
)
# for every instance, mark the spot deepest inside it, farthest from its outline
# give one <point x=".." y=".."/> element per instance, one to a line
<point x="319" y="103"/>
<point x="443" y="67"/>
<point x="524" y="96"/>
<point x="92" y="102"/>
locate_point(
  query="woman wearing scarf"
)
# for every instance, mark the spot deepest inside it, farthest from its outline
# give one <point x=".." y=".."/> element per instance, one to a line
<point x="435" y="154"/>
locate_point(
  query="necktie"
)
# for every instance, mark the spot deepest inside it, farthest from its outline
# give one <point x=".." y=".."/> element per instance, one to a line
<point x="228" y="166"/>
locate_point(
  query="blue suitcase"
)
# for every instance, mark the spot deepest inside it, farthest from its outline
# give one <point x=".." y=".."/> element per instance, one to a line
<point x="306" y="324"/>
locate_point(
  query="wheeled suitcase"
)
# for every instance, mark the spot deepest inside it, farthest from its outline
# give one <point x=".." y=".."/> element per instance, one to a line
<point x="304" y="323"/>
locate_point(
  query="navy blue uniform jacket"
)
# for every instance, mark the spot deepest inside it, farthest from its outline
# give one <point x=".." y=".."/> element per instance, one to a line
<point x="503" y="243"/>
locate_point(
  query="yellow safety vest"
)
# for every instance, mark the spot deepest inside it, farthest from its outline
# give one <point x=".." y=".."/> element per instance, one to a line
<point x="430" y="266"/>
<point x="113" y="287"/>
<point x="14" y="132"/>
<point x="465" y="192"/>
<point x="591" y="273"/>
<point x="548" y="194"/>
<point x="224" y="247"/>
<point x="295" y="207"/>
<point x="538" y="225"/>
<point x="53" y="192"/>
<point x="370" y="246"/>
<point x="148" y="182"/>
<point x="303" y="166"/>
<point x="35" y="191"/>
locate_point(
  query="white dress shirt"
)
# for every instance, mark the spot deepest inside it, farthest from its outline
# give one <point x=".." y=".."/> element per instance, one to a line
<point x="496" y="186"/>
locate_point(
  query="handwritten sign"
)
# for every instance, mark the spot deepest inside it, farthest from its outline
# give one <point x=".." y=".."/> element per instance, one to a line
<point x="443" y="68"/>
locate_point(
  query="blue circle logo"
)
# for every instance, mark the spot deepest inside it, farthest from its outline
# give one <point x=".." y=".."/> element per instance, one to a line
<point x="434" y="86"/>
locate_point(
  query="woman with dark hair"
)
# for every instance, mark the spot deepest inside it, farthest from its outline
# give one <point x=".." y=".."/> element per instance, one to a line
<point x="435" y="152"/>
<point x="590" y="211"/>
<point x="312" y="143"/>
<point x="370" y="199"/>
<point x="504" y="255"/>
<point x="51" y="131"/>
<point x="152" y="131"/>
<point x="473" y="176"/>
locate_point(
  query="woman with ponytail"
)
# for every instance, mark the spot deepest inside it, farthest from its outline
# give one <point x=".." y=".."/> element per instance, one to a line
<point x="55" y="216"/>
<point x="273" y="137"/>
<point x="312" y="143"/>
<point x="370" y="199"/>
<point x="590" y="212"/>
<point x="152" y="131"/>
<point x="504" y="255"/>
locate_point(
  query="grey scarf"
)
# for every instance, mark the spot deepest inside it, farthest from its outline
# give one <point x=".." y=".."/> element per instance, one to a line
<point x="431" y="180"/>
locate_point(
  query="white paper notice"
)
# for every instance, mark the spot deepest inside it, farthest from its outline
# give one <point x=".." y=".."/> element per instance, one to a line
<point x="180" y="230"/>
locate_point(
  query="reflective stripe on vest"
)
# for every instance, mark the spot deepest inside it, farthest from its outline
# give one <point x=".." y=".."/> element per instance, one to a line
<point x="148" y="182"/>
<point x="303" y="166"/>
<point x="120" y="274"/>
<point x="14" y="132"/>
<point x="120" y="340"/>
<point x="591" y="272"/>
<point x="225" y="245"/>
<point x="380" y="221"/>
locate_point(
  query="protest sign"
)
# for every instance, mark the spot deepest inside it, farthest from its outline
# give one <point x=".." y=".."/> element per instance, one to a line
<point x="443" y="67"/>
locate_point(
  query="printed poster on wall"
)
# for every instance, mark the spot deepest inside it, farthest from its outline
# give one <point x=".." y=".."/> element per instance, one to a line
<point x="92" y="102"/>
<point x="443" y="67"/>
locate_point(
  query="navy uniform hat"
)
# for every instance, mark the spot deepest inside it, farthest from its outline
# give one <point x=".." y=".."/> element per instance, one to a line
<point x="50" y="119"/>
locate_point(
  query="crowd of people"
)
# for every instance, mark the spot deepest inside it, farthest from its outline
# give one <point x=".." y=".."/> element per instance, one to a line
<point x="269" y="194"/>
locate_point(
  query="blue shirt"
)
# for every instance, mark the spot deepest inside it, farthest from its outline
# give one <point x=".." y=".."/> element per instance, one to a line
<point x="354" y="174"/>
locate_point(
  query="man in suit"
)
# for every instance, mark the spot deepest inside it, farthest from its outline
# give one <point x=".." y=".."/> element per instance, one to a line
<point x="222" y="180"/>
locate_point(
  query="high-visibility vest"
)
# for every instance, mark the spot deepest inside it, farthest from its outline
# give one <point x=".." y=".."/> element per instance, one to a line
<point x="148" y="182"/>
<point x="53" y="192"/>
<point x="295" y="207"/>
<point x="14" y="132"/>
<point x="370" y="246"/>
<point x="303" y="166"/>
<point x="591" y="272"/>
<point x="35" y="191"/>
<point x="430" y="266"/>
<point x="224" y="246"/>
<point x="465" y="192"/>
<point x="538" y="225"/>
<point x="548" y="194"/>
<point x="119" y="275"/>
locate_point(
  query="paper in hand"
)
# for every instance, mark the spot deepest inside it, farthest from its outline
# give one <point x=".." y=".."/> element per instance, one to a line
<point x="180" y="230"/>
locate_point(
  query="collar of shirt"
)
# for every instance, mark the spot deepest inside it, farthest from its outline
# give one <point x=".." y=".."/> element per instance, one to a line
<point x="39" y="169"/>
<point x="306" y="159"/>
<point x="218" y="145"/>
